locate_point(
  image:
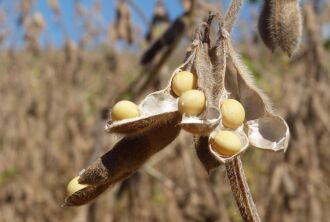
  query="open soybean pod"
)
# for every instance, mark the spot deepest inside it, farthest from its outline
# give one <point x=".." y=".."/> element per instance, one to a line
<point x="264" y="129"/>
<point x="257" y="126"/>
<point x="204" y="65"/>
<point x="155" y="109"/>
<point x="162" y="106"/>
<point x="125" y="158"/>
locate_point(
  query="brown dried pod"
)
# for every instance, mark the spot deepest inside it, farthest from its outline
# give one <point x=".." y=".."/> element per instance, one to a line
<point x="159" y="23"/>
<point x="265" y="28"/>
<point x="280" y="25"/>
<point x="87" y="194"/>
<point x="123" y="160"/>
<point x="123" y="24"/>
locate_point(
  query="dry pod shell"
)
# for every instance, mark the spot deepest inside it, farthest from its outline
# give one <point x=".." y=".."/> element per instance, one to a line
<point x="208" y="65"/>
<point x="269" y="132"/>
<point x="265" y="129"/>
<point x="85" y="195"/>
<point x="203" y="124"/>
<point x="156" y="108"/>
<point x="280" y="25"/>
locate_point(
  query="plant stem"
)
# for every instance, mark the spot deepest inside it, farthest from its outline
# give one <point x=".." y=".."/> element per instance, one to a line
<point x="241" y="191"/>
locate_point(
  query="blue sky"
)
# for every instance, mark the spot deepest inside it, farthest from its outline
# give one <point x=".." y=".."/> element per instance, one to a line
<point x="74" y="27"/>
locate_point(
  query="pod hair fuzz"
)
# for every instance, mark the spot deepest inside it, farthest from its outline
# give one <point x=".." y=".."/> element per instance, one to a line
<point x="280" y="25"/>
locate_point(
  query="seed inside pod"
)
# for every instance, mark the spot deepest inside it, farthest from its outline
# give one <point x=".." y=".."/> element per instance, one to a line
<point x="183" y="81"/>
<point x="124" y="110"/>
<point x="233" y="113"/>
<point x="74" y="186"/>
<point x="192" y="102"/>
<point x="226" y="143"/>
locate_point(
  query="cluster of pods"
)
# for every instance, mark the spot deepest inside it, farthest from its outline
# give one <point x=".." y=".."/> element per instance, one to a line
<point x="211" y="95"/>
<point x="192" y="102"/>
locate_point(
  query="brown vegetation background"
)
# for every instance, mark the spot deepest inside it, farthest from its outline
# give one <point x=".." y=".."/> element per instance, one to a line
<point x="54" y="101"/>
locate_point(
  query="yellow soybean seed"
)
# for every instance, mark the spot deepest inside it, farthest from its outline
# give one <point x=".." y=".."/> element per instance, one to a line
<point x="192" y="102"/>
<point x="226" y="143"/>
<point x="233" y="113"/>
<point x="74" y="186"/>
<point x="183" y="81"/>
<point x="124" y="110"/>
